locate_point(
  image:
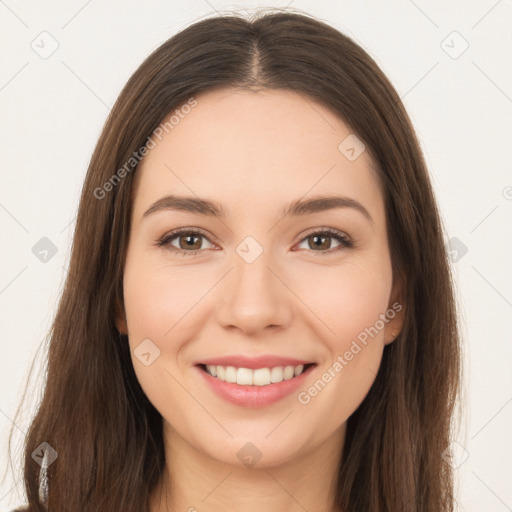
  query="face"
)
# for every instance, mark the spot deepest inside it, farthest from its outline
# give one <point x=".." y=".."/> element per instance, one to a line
<point x="254" y="286"/>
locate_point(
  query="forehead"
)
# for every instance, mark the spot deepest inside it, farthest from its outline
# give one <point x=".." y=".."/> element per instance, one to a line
<point x="256" y="149"/>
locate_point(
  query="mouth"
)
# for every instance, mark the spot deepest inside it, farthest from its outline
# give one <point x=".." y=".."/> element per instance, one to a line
<point x="261" y="377"/>
<point x="255" y="387"/>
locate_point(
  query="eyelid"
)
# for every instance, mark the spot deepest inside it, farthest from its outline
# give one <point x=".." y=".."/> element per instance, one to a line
<point x="321" y="229"/>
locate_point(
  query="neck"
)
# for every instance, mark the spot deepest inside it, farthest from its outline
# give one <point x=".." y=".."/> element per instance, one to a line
<point x="194" y="482"/>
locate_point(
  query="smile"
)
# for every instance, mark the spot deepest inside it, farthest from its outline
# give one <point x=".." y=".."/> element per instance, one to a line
<point x="254" y="387"/>
<point x="255" y="377"/>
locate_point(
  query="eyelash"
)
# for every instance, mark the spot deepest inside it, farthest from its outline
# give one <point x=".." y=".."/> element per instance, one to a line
<point x="345" y="241"/>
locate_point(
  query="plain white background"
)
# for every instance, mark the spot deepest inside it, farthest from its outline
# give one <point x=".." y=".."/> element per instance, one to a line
<point x="460" y="102"/>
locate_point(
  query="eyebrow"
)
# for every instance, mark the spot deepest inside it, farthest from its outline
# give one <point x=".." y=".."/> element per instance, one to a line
<point x="297" y="208"/>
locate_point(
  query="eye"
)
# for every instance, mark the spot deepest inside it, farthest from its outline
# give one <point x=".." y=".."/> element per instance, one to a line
<point x="319" y="240"/>
<point x="188" y="240"/>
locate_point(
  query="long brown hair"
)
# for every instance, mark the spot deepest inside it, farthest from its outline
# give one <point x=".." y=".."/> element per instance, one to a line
<point x="93" y="412"/>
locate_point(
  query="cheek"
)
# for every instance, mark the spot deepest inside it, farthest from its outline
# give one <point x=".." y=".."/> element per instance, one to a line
<point x="158" y="304"/>
<point x="162" y="304"/>
<point x="157" y="297"/>
<point x="352" y="309"/>
<point x="349" y="302"/>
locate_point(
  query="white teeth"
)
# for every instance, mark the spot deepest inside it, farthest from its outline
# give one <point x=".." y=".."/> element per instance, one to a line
<point x="259" y="377"/>
<point x="230" y="375"/>
<point x="276" y="374"/>
<point x="288" y="372"/>
<point x="244" y="376"/>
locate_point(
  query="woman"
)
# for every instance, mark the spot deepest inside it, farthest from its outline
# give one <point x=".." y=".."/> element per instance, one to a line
<point x="259" y="311"/>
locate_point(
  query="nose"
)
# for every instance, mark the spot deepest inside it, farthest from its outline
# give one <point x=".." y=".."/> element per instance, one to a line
<point x="254" y="298"/>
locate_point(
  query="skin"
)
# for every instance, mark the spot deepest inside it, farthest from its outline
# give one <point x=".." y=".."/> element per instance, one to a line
<point x="255" y="152"/>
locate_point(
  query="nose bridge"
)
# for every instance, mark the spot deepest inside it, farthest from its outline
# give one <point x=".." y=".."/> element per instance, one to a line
<point x="253" y="297"/>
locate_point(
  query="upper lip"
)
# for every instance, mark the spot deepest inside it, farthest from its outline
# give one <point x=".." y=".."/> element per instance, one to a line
<point x="266" y="361"/>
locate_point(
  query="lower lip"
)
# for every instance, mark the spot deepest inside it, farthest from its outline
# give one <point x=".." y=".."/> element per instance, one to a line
<point x="254" y="396"/>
